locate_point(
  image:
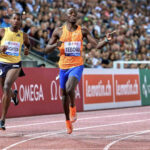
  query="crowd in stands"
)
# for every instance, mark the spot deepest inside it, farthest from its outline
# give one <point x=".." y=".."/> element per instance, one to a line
<point x="130" y="19"/>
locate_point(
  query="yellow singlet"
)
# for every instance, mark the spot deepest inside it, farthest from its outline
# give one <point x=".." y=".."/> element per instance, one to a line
<point x="14" y="41"/>
<point x="71" y="49"/>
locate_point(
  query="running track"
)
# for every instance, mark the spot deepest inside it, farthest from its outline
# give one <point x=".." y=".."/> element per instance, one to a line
<point x="115" y="129"/>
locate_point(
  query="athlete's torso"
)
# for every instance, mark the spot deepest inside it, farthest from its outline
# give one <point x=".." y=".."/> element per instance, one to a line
<point x="71" y="48"/>
<point x="14" y="41"/>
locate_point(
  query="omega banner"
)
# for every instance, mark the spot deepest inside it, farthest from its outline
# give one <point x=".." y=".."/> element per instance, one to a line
<point x="39" y="93"/>
<point x="108" y="88"/>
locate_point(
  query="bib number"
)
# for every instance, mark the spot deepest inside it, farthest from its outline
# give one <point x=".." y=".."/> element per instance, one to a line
<point x="13" y="48"/>
<point x="72" y="48"/>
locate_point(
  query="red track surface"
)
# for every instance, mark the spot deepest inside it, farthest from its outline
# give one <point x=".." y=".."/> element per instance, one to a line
<point x="116" y="129"/>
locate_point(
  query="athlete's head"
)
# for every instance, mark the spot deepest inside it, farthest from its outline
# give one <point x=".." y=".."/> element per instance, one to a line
<point x="16" y="20"/>
<point x="71" y="15"/>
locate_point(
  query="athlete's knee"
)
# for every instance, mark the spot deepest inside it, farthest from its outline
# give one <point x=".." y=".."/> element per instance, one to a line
<point x="7" y="88"/>
<point x="69" y="90"/>
<point x="64" y="97"/>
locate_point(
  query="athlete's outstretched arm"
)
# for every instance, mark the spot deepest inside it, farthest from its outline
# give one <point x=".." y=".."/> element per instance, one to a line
<point x="53" y="42"/>
<point x="108" y="38"/>
<point x="88" y="36"/>
<point x="26" y="43"/>
<point x="94" y="43"/>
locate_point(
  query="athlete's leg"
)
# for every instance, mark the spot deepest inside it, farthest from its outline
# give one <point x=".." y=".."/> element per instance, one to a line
<point x="65" y="99"/>
<point x="70" y="89"/>
<point x="68" y="93"/>
<point x="74" y="77"/>
<point x="2" y="122"/>
<point x="2" y="85"/>
<point x="11" y="76"/>
<point x="65" y="102"/>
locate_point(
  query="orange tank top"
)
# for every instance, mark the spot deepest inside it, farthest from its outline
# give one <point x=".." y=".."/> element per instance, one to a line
<point x="71" y="48"/>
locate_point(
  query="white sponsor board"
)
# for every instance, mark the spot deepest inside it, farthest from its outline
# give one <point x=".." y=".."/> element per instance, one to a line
<point x="110" y="88"/>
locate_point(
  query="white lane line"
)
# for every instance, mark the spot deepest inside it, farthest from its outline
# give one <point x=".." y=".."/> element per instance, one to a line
<point x="111" y="136"/>
<point x="117" y="135"/>
<point x="58" y="132"/>
<point x="9" y="134"/>
<point x="120" y="139"/>
<point x="23" y="141"/>
<point x="34" y="124"/>
<point x="113" y="124"/>
<point x="36" y="134"/>
<point x="97" y="117"/>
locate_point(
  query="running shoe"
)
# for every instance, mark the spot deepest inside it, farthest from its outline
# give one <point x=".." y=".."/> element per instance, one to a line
<point x="73" y="114"/>
<point x="2" y="125"/>
<point x="15" y="100"/>
<point x="69" y="127"/>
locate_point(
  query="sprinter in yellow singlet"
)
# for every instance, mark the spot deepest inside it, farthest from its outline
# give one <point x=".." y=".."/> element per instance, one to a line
<point x="69" y="40"/>
<point x="11" y="42"/>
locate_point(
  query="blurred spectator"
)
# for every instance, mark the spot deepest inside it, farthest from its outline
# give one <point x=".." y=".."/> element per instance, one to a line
<point x="28" y="24"/>
<point x="39" y="44"/>
<point x="105" y="62"/>
<point x="6" y="22"/>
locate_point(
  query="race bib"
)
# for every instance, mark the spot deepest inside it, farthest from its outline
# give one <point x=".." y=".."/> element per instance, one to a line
<point x="13" y="48"/>
<point x="72" y="48"/>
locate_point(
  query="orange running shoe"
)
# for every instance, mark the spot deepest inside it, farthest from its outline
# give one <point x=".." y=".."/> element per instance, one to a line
<point x="69" y="126"/>
<point x="73" y="114"/>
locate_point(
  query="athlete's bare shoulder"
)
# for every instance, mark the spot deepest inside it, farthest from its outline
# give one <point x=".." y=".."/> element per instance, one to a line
<point x="58" y="32"/>
<point x="2" y="32"/>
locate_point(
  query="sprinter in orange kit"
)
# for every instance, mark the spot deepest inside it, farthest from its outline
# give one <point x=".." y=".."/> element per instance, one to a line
<point x="69" y="40"/>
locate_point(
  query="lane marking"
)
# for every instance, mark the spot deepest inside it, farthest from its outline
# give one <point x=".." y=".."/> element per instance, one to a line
<point x="120" y="139"/>
<point x="97" y="117"/>
<point x="58" y="132"/>
<point x="9" y="134"/>
<point x="112" y="136"/>
<point x="34" y="124"/>
<point x="113" y="124"/>
<point x="23" y="141"/>
<point x="36" y="134"/>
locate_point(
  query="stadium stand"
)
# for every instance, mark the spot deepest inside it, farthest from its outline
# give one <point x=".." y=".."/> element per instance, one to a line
<point x="131" y="18"/>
